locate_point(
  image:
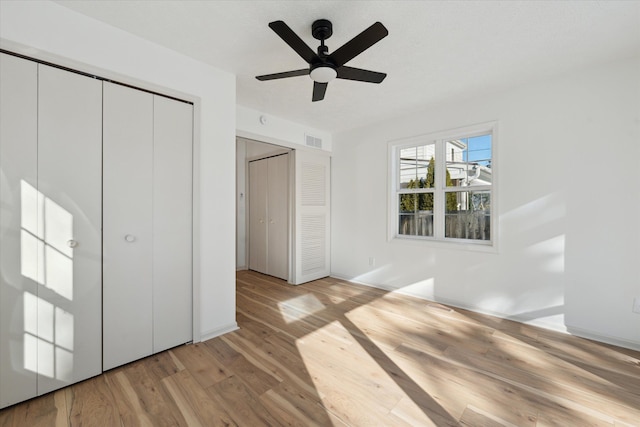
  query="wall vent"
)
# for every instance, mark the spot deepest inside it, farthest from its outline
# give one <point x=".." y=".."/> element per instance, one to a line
<point x="312" y="141"/>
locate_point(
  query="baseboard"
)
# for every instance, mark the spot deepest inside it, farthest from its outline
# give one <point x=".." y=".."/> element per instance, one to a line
<point x="217" y="332"/>
<point x="527" y="320"/>
<point x="399" y="291"/>
<point x="371" y="285"/>
<point x="457" y="304"/>
<point x="567" y="329"/>
<point x="620" y="342"/>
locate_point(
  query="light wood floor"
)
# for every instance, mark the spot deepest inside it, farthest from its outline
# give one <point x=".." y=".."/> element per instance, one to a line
<point x="333" y="353"/>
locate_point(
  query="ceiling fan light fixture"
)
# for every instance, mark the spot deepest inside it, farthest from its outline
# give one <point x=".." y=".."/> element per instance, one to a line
<point x="323" y="74"/>
<point x="324" y="66"/>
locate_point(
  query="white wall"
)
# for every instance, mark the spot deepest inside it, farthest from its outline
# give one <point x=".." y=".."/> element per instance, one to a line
<point x="50" y="31"/>
<point x="568" y="204"/>
<point x="277" y="130"/>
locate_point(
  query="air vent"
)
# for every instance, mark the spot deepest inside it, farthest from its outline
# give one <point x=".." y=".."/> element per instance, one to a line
<point x="312" y="141"/>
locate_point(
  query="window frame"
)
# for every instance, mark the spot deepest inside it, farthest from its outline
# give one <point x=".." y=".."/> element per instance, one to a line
<point x="439" y="139"/>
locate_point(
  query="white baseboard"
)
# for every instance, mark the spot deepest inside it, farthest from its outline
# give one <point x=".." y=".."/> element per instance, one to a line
<point x="567" y="329"/>
<point x="620" y="342"/>
<point x="540" y="323"/>
<point x="371" y="285"/>
<point x="217" y="332"/>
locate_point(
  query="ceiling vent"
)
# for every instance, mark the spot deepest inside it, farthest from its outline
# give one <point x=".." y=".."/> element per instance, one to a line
<point x="312" y="141"/>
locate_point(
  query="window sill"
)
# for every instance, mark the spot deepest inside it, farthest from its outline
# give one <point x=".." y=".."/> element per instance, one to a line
<point x="456" y="245"/>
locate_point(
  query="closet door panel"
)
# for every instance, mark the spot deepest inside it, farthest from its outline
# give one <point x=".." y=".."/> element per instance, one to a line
<point x="172" y="223"/>
<point x="312" y="229"/>
<point x="278" y="219"/>
<point x="258" y="216"/>
<point x="19" y="277"/>
<point x="128" y="237"/>
<point x="70" y="204"/>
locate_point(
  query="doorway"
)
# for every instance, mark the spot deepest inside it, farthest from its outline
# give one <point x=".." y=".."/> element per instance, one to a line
<point x="263" y="199"/>
<point x="308" y="223"/>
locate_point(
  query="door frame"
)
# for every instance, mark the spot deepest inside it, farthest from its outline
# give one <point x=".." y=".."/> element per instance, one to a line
<point x="297" y="153"/>
<point x="242" y="195"/>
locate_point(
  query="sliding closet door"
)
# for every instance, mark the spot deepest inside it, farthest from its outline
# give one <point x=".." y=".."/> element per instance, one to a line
<point x="172" y="230"/>
<point x="278" y="216"/>
<point x="19" y="231"/>
<point x="258" y="216"/>
<point x="128" y="236"/>
<point x="269" y="216"/>
<point x="70" y="208"/>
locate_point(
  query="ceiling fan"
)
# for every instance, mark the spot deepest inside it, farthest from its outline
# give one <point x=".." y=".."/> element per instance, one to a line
<point x="325" y="66"/>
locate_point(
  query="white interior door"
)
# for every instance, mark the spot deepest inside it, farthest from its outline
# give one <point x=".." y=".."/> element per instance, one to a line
<point x="258" y="216"/>
<point x="172" y="223"/>
<point x="312" y="231"/>
<point x="19" y="235"/>
<point x="51" y="219"/>
<point x="128" y="236"/>
<point x="278" y="216"/>
<point x="147" y="224"/>
<point x="70" y="208"/>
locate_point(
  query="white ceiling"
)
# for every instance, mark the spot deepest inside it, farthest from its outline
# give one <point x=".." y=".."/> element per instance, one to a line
<point x="436" y="51"/>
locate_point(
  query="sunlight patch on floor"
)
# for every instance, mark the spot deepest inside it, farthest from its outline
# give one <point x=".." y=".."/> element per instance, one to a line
<point x="295" y="309"/>
<point x="350" y="381"/>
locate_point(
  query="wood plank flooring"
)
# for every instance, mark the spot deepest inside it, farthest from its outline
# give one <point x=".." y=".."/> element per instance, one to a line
<point x="334" y="353"/>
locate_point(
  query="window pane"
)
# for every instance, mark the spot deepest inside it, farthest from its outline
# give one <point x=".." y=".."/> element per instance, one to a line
<point x="416" y="214"/>
<point x="417" y="166"/>
<point x="469" y="161"/>
<point x="468" y="215"/>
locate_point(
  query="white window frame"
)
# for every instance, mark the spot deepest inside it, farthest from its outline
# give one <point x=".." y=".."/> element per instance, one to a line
<point x="439" y="139"/>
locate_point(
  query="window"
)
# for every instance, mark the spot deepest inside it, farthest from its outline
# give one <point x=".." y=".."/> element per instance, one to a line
<point x="442" y="186"/>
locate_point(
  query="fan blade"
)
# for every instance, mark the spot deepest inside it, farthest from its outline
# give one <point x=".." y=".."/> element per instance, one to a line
<point x="318" y="91"/>
<point x="359" y="44"/>
<point x="283" y="75"/>
<point x="350" y="73"/>
<point x="293" y="41"/>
